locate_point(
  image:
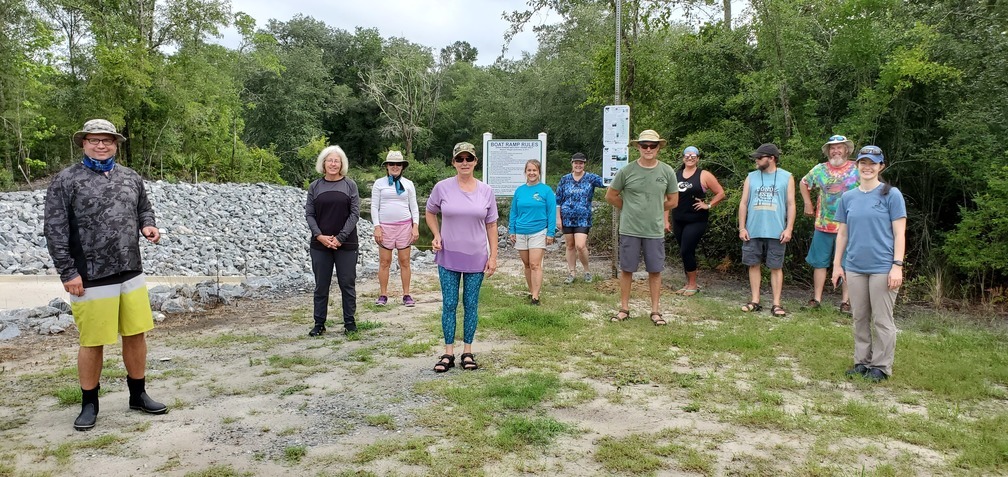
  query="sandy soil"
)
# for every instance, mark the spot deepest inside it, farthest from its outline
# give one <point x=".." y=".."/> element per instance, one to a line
<point x="218" y="371"/>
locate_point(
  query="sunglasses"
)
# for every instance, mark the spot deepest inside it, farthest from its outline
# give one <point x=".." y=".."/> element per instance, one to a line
<point x="870" y="150"/>
<point x="648" y="145"/>
<point x="837" y="138"/>
<point x="466" y="158"/>
<point x="690" y="156"/>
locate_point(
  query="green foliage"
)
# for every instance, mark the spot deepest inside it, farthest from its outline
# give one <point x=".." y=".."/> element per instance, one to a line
<point x="969" y="246"/>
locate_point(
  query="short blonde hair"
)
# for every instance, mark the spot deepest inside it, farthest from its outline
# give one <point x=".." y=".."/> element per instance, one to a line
<point x="320" y="163"/>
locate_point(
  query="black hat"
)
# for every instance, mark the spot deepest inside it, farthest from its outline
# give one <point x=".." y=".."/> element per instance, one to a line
<point x="768" y="149"/>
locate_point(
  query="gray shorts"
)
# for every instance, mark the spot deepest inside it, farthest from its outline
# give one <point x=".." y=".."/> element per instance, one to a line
<point x="763" y="250"/>
<point x="631" y="248"/>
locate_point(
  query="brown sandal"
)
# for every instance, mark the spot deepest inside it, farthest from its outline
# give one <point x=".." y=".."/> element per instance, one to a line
<point x="778" y="311"/>
<point x="658" y="321"/>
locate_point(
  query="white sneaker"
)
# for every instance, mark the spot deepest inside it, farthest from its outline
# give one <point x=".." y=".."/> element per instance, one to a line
<point x="588" y="277"/>
<point x="569" y="279"/>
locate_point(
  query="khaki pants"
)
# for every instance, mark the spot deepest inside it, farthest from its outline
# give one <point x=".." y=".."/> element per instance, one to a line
<point x="872" y="306"/>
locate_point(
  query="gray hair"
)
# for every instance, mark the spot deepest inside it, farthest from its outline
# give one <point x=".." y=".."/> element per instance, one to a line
<point x="344" y="162"/>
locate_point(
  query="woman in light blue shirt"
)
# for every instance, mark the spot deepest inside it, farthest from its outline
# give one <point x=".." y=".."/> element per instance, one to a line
<point x="873" y="234"/>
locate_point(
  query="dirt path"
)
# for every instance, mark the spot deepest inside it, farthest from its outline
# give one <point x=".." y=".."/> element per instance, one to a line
<point x="249" y="390"/>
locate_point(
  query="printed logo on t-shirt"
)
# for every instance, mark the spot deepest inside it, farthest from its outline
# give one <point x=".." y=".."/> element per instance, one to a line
<point x="685" y="186"/>
<point x="765" y="198"/>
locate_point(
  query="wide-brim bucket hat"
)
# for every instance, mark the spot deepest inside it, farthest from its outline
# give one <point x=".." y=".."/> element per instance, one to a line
<point x="648" y="135"/>
<point x="838" y="139"/>
<point x="97" y="126"/>
<point x="395" y="157"/>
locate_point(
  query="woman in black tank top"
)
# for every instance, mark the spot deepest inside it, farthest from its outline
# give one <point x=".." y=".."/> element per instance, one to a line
<point x="690" y="216"/>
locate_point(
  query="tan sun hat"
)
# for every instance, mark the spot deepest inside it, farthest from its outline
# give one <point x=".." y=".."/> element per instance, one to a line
<point x="648" y="135"/>
<point x="838" y="139"/>
<point x="395" y="157"/>
<point x="97" y="126"/>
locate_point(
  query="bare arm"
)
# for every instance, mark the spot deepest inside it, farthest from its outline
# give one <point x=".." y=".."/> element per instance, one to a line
<point x="743" y="210"/>
<point x="435" y="228"/>
<point x="791" y="212"/>
<point x="710" y="183"/>
<point x="612" y="196"/>
<point x="838" y="253"/>
<point x="491" y="266"/>
<point x="899" y="251"/>
<point x="806" y="194"/>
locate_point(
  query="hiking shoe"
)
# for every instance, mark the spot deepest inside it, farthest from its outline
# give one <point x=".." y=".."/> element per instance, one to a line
<point x="381" y="301"/>
<point x="87" y="417"/>
<point x="146" y="404"/>
<point x="569" y="279"/>
<point x="858" y="369"/>
<point x="317" y="330"/>
<point x="588" y="278"/>
<point x="875" y="375"/>
<point x="845" y="307"/>
<point x="408" y="300"/>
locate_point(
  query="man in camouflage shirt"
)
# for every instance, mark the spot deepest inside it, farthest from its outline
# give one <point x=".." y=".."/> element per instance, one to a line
<point x="95" y="211"/>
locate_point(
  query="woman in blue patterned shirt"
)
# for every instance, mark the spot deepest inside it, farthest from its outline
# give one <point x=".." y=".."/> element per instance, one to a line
<point x="574" y="200"/>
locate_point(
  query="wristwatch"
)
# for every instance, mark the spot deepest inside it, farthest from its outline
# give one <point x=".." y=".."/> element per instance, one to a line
<point x="898" y="263"/>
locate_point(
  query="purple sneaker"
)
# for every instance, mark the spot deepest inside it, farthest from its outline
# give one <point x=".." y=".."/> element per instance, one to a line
<point x="408" y="300"/>
<point x="381" y="301"/>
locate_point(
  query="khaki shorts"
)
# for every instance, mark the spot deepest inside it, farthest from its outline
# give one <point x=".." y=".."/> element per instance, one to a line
<point x="107" y="311"/>
<point x="527" y="241"/>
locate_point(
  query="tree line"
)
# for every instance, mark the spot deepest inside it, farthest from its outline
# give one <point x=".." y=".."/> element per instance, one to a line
<point x="922" y="79"/>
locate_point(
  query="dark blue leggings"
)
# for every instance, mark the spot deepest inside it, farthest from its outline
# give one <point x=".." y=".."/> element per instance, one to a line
<point x="471" y="283"/>
<point x="688" y="235"/>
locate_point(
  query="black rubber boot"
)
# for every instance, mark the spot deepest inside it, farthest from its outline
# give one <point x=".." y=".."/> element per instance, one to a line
<point x="89" y="409"/>
<point x="140" y="400"/>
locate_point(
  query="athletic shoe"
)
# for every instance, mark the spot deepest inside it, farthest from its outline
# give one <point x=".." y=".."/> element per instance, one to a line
<point x="381" y="301"/>
<point x="588" y="278"/>
<point x="569" y="279"/>
<point x="408" y="300"/>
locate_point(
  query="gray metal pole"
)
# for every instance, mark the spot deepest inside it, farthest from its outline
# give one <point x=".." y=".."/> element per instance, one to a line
<point x="614" y="260"/>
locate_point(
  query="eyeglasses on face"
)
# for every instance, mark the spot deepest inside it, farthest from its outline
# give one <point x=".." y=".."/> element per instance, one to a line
<point x="466" y="158"/>
<point x="837" y="138"/>
<point x="334" y="160"/>
<point x="870" y="150"/>
<point x="647" y="145"/>
<point x="96" y="141"/>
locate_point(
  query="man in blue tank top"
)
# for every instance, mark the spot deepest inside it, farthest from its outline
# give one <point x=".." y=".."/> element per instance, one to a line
<point x="766" y="218"/>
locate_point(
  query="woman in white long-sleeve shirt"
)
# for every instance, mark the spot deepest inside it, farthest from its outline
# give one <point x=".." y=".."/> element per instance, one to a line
<point x="396" y="220"/>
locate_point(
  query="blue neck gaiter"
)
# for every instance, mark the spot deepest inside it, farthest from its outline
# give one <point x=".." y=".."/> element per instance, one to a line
<point x="99" y="166"/>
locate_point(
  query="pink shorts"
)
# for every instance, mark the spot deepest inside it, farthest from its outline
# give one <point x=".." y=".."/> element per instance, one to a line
<point x="398" y="235"/>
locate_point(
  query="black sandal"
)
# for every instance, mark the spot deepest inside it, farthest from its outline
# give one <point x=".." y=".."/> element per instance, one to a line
<point x="778" y="311"/>
<point x="616" y="318"/>
<point x="658" y="321"/>
<point x="468" y="365"/>
<point x="445" y="362"/>
<point x="751" y="307"/>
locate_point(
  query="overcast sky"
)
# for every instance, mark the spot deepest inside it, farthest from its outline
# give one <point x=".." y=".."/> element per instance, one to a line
<point x="433" y="23"/>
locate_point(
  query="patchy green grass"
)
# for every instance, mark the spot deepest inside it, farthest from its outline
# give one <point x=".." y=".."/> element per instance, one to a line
<point x="384" y="421"/>
<point x="219" y="471"/>
<point x="108" y="443"/>
<point x="294" y="454"/>
<point x="413" y="451"/>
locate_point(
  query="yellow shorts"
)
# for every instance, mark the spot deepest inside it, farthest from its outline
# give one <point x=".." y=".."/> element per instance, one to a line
<point x="107" y="311"/>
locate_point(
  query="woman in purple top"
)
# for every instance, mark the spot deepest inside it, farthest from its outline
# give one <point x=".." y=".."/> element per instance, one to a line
<point x="465" y="245"/>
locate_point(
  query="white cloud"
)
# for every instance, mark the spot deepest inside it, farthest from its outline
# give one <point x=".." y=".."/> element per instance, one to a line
<point x="433" y="23"/>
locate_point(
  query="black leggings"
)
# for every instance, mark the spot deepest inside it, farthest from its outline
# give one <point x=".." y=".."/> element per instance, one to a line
<point x="688" y="235"/>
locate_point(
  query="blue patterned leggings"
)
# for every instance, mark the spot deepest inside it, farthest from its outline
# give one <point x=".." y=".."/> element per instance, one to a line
<point x="471" y="283"/>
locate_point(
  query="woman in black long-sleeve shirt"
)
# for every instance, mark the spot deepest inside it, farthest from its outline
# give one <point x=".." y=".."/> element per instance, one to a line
<point x="332" y="211"/>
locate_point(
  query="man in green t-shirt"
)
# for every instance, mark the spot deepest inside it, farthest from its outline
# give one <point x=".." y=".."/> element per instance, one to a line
<point x="636" y="190"/>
